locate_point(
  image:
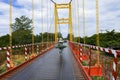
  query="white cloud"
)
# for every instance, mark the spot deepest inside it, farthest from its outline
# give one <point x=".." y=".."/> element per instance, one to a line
<point x="109" y="15"/>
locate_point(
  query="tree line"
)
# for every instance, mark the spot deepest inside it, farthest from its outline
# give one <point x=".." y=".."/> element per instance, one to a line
<point x="22" y="34"/>
<point x="110" y="39"/>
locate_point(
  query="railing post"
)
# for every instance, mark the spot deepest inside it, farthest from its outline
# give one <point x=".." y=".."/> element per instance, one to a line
<point x="26" y="53"/>
<point x="114" y="72"/>
<point x="9" y="62"/>
<point x="42" y="50"/>
<point x="37" y="49"/>
<point x="81" y="54"/>
<point x="89" y="60"/>
<point x="8" y="58"/>
<point x="79" y="51"/>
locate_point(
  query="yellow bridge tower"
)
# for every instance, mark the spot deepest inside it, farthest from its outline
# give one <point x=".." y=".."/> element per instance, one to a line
<point x="58" y="21"/>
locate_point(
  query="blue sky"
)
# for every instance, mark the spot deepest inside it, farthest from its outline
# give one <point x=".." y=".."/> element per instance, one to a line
<point x="14" y="3"/>
<point x="109" y="15"/>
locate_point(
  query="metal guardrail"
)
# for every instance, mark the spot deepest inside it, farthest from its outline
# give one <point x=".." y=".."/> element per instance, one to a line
<point x="11" y="60"/>
<point x="85" y="74"/>
<point x="116" y="53"/>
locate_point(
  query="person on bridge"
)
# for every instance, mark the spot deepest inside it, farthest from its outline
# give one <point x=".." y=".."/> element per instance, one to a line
<point x="60" y="45"/>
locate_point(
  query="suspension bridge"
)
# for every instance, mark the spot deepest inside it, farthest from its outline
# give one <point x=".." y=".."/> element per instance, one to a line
<point x="42" y="61"/>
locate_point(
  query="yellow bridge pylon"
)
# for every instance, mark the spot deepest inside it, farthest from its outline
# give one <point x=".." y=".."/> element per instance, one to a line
<point x="58" y="20"/>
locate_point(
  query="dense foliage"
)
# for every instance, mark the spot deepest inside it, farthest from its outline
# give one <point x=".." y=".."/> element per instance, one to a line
<point x="4" y="40"/>
<point x="22" y="33"/>
<point x="109" y="39"/>
<point x="68" y="37"/>
<point x="22" y="30"/>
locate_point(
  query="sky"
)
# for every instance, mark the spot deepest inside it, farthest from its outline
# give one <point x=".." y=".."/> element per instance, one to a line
<point x="109" y="15"/>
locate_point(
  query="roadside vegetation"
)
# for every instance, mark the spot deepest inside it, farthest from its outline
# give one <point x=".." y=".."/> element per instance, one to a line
<point x="109" y="39"/>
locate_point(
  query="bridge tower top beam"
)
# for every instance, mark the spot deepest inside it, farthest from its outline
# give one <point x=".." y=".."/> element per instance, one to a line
<point x="56" y="3"/>
<point x="58" y="20"/>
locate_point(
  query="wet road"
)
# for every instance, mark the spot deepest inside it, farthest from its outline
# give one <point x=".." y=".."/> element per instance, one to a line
<point x="51" y="66"/>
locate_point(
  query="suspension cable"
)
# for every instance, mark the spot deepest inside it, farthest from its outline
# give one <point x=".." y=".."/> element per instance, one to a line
<point x="10" y="37"/>
<point x="74" y="21"/>
<point x="32" y="26"/>
<point x="97" y="30"/>
<point x="55" y="2"/>
<point x="10" y="24"/>
<point x="50" y="39"/>
<point x="42" y="21"/>
<point x="70" y="1"/>
<point x="78" y="21"/>
<point x="50" y="24"/>
<point x="47" y="24"/>
<point x="84" y="24"/>
<point x="58" y="27"/>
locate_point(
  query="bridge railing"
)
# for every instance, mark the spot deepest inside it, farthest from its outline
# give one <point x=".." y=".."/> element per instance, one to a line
<point x="109" y="67"/>
<point x="11" y="57"/>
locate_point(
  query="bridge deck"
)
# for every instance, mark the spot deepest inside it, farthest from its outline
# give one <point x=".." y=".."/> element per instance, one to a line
<point x="50" y="66"/>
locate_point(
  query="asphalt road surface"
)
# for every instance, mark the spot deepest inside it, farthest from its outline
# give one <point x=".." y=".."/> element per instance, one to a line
<point x="50" y="66"/>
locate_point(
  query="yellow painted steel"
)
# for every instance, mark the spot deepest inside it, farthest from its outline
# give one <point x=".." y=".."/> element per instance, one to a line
<point x="62" y="6"/>
<point x="73" y="3"/>
<point x="97" y="31"/>
<point x="42" y="22"/>
<point x="70" y="22"/>
<point x="63" y="20"/>
<point x="47" y="25"/>
<point x="50" y="24"/>
<point x="10" y="30"/>
<point x="56" y="22"/>
<point x="76" y="32"/>
<point x="32" y="26"/>
<point x="10" y="24"/>
<point x="84" y="24"/>
<point x="78" y="20"/>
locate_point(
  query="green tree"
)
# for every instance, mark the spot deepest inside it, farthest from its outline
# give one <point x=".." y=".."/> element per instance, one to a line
<point x="22" y="30"/>
<point x="60" y="35"/>
<point x="22" y="23"/>
<point x="38" y="38"/>
<point x="68" y="36"/>
<point x="4" y="40"/>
